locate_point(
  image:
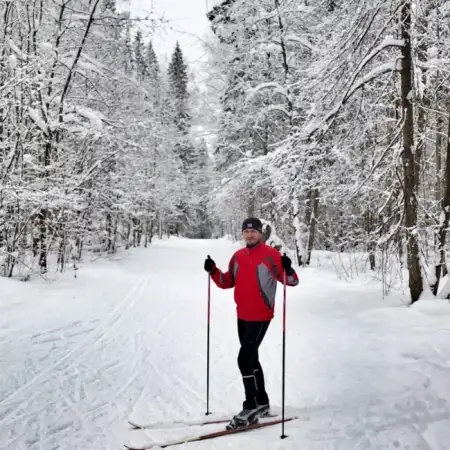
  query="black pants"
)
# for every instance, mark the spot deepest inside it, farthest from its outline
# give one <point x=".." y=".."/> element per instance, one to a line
<point x="251" y="335"/>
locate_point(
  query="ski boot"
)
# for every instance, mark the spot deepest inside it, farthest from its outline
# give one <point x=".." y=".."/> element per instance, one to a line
<point x="264" y="411"/>
<point x="245" y="418"/>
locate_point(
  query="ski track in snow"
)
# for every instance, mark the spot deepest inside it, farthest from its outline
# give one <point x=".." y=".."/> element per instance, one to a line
<point x="81" y="349"/>
<point x="127" y="340"/>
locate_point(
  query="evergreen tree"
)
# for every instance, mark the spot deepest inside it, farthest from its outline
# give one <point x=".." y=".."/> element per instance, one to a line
<point x="202" y="181"/>
<point x="152" y="63"/>
<point x="178" y="82"/>
<point x="129" y="62"/>
<point x="141" y="66"/>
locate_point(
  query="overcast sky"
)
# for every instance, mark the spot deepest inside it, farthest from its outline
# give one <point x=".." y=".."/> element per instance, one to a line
<point x="188" y="24"/>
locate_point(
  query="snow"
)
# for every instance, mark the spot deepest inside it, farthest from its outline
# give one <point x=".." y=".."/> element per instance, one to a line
<point x="12" y="62"/>
<point x="444" y="287"/>
<point x="90" y="67"/>
<point x="46" y="47"/>
<point x="95" y="117"/>
<point x="442" y="218"/>
<point x="79" y="17"/>
<point x="299" y="40"/>
<point x="126" y="340"/>
<point x="275" y="86"/>
<point x="37" y="119"/>
<point x="17" y="50"/>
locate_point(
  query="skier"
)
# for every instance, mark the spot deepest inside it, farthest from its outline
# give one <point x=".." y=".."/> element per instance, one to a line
<point x="253" y="271"/>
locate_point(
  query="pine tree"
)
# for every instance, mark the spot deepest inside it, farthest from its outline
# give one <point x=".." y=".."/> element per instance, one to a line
<point x="141" y="66"/>
<point x="203" y="184"/>
<point x="152" y="63"/>
<point x="129" y="62"/>
<point x="178" y="82"/>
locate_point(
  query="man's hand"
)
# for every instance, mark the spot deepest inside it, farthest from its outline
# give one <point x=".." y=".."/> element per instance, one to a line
<point x="210" y="265"/>
<point x="286" y="263"/>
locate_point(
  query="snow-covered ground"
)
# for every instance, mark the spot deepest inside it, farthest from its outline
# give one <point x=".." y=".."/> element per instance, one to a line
<point x="127" y="339"/>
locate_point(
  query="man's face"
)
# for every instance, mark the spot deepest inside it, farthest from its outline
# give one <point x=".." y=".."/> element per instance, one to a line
<point x="251" y="236"/>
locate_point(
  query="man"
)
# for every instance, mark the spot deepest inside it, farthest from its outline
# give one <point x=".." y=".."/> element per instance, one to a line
<point x="253" y="271"/>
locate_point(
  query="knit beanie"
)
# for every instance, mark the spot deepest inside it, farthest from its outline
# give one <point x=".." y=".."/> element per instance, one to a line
<point x="252" y="224"/>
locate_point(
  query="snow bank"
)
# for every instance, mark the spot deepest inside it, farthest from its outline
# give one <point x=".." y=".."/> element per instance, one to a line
<point x="432" y="307"/>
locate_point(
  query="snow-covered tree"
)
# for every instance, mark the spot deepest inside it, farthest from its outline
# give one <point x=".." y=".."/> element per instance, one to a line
<point x="333" y="127"/>
<point x="87" y="145"/>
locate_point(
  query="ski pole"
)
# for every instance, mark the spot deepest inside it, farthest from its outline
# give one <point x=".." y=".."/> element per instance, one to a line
<point x="207" y="343"/>
<point x="283" y="389"/>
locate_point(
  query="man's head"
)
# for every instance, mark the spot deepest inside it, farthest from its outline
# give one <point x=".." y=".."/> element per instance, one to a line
<point x="252" y="231"/>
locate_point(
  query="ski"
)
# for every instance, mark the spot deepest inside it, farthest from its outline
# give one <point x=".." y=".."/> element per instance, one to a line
<point x="203" y="437"/>
<point x="188" y="423"/>
<point x="147" y="426"/>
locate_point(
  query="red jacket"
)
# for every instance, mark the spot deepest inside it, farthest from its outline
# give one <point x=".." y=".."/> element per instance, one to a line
<point x="254" y="272"/>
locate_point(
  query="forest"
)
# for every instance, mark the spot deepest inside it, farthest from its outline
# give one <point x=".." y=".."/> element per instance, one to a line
<point x="95" y="150"/>
<point x="330" y="121"/>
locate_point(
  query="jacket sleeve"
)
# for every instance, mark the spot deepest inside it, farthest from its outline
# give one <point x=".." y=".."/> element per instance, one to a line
<point x="291" y="275"/>
<point x="224" y="280"/>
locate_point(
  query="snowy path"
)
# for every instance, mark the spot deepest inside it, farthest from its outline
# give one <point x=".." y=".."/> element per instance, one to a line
<point x="128" y="339"/>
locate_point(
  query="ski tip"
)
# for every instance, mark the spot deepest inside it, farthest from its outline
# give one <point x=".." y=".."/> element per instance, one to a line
<point x="146" y="447"/>
<point x="135" y="425"/>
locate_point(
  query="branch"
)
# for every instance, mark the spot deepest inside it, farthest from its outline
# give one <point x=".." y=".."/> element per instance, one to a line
<point x="379" y="160"/>
<point x="380" y="70"/>
<point x="77" y="57"/>
<point x="393" y="66"/>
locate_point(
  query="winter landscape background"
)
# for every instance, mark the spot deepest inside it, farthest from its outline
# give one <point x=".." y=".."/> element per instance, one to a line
<point x="122" y="167"/>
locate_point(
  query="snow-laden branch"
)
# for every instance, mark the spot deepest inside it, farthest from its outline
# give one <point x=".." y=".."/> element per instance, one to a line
<point x="298" y="40"/>
<point x="95" y="117"/>
<point x="17" y="51"/>
<point x="387" y="43"/>
<point x="399" y="130"/>
<point x="77" y="57"/>
<point x="37" y="119"/>
<point x="276" y="43"/>
<point x="389" y="67"/>
<point x="277" y="88"/>
<point x="374" y="74"/>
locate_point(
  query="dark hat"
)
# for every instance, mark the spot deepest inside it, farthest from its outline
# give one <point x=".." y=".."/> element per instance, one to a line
<point x="252" y="223"/>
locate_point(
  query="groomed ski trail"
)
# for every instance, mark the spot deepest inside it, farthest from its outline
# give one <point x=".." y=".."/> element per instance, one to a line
<point x="127" y="340"/>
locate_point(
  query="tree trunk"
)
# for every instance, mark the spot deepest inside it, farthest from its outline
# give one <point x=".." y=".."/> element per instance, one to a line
<point x="109" y="232"/>
<point x="441" y="268"/>
<point x="62" y="250"/>
<point x="371" y="245"/>
<point x="43" y="240"/>
<point x="160" y="227"/>
<point x="146" y="232"/>
<point x="438" y="158"/>
<point x="150" y="232"/>
<point x="127" y="245"/>
<point x="251" y="206"/>
<point x="139" y="233"/>
<point x="115" y="234"/>
<point x="409" y="166"/>
<point x="424" y="104"/>
<point x="299" y="229"/>
<point x="308" y="214"/>
<point x="314" y="201"/>
<point x="79" y="245"/>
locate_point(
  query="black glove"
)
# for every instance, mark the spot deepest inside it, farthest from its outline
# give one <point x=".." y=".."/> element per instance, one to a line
<point x="210" y="265"/>
<point x="286" y="263"/>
